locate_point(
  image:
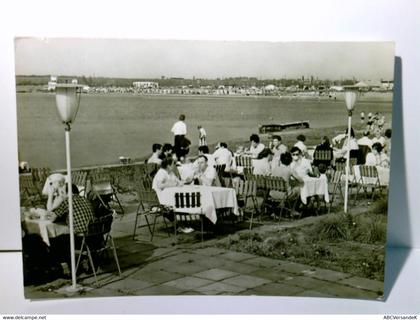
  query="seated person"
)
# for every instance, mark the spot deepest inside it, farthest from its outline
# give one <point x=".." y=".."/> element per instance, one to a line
<point x="58" y="203"/>
<point x="256" y="147"/>
<point x="347" y="145"/>
<point x="323" y="146"/>
<point x="365" y="140"/>
<point x="301" y="145"/>
<point x="205" y="174"/>
<point x="377" y="157"/>
<point x="223" y="156"/>
<point x="262" y="164"/>
<point x="157" y="151"/>
<point x="277" y="148"/>
<point x="165" y="177"/>
<point x="167" y="151"/>
<point x="283" y="170"/>
<point x="301" y="167"/>
<point x="204" y="150"/>
<point x="378" y="137"/>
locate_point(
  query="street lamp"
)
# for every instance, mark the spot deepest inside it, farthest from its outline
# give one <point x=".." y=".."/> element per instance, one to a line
<point x="350" y="99"/>
<point x="67" y="98"/>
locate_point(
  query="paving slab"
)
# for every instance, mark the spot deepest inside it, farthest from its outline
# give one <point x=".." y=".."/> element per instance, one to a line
<point x="305" y="282"/>
<point x="238" y="267"/>
<point x="270" y="274"/>
<point x="160" y="290"/>
<point x="103" y="292"/>
<point x="313" y="293"/>
<point x="128" y="285"/>
<point x="220" y="288"/>
<point x="210" y="251"/>
<point x="263" y="262"/>
<point x="367" y="284"/>
<point x="295" y="268"/>
<point x="329" y="275"/>
<point x="277" y="289"/>
<point x="188" y="283"/>
<point x="184" y="268"/>
<point x="215" y="274"/>
<point x="236" y="256"/>
<point x="246" y="281"/>
<point x="212" y="262"/>
<point x="156" y="277"/>
<point x="343" y="291"/>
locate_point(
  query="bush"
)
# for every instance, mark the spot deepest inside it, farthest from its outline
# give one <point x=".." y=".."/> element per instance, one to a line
<point x="333" y="227"/>
<point x="370" y="229"/>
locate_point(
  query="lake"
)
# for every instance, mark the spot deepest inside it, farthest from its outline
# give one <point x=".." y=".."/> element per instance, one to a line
<point x="108" y="126"/>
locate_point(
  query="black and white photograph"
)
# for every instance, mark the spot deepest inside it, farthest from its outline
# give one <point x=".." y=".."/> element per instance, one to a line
<point x="175" y="167"/>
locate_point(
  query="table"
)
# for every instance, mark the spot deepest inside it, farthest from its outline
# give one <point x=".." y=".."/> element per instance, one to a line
<point x="314" y="186"/>
<point x="212" y="198"/>
<point x="45" y="228"/>
<point x="383" y="174"/>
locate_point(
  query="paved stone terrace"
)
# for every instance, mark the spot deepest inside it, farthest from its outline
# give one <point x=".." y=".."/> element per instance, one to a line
<point x="163" y="267"/>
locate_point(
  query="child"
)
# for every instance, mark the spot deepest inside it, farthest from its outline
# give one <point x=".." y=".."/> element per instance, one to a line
<point x="202" y="136"/>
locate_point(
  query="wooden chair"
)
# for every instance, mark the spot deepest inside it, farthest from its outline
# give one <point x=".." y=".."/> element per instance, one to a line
<point x="30" y="194"/>
<point x="323" y="156"/>
<point x="188" y="200"/>
<point x="286" y="200"/>
<point x="98" y="229"/>
<point x="149" y="206"/>
<point x="336" y="183"/>
<point x="247" y="190"/>
<point x="220" y="169"/>
<point x="369" y="178"/>
<point x="79" y="178"/>
<point x="39" y="176"/>
<point x="101" y="184"/>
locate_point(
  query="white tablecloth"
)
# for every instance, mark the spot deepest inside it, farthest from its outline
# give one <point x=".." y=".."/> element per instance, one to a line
<point x="45" y="228"/>
<point x="212" y="198"/>
<point x="315" y="186"/>
<point x="383" y="174"/>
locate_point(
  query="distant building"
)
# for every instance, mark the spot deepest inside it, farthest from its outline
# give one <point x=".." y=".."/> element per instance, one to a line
<point x="146" y="85"/>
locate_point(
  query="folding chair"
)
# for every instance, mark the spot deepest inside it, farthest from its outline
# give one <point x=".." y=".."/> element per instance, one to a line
<point x="337" y="186"/>
<point x="30" y="194"/>
<point x="101" y="184"/>
<point x="323" y="156"/>
<point x="281" y="186"/>
<point x="247" y="190"/>
<point x="99" y="229"/>
<point x="79" y="178"/>
<point x="39" y="176"/>
<point x="246" y="163"/>
<point x="220" y="169"/>
<point x="149" y="206"/>
<point x="369" y="178"/>
<point x="188" y="200"/>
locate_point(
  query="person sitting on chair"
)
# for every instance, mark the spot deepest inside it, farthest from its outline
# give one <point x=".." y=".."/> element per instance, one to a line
<point x="301" y="167"/>
<point x="283" y="171"/>
<point x="277" y="148"/>
<point x="323" y="146"/>
<point x="205" y="174"/>
<point x="223" y="156"/>
<point x="157" y="151"/>
<point x="262" y="165"/>
<point x="58" y="203"/>
<point x="301" y="145"/>
<point x="377" y="157"/>
<point x="165" y="177"/>
<point x="256" y="147"/>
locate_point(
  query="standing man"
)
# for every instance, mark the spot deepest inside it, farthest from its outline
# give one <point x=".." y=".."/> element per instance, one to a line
<point x="179" y="129"/>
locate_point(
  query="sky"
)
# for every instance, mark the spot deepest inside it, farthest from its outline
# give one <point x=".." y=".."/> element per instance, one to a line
<point x="144" y="59"/>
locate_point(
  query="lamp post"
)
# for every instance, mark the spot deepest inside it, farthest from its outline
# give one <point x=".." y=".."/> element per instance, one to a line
<point x="350" y="99"/>
<point x="67" y="99"/>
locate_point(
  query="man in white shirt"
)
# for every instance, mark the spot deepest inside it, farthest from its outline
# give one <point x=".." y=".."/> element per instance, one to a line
<point x="157" y="151"/>
<point x="365" y="140"/>
<point x="179" y="129"/>
<point x="223" y="156"/>
<point x="277" y="148"/>
<point x="256" y="147"/>
<point x="205" y="174"/>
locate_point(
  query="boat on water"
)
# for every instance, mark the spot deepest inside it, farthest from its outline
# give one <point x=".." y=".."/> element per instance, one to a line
<point x="267" y="128"/>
